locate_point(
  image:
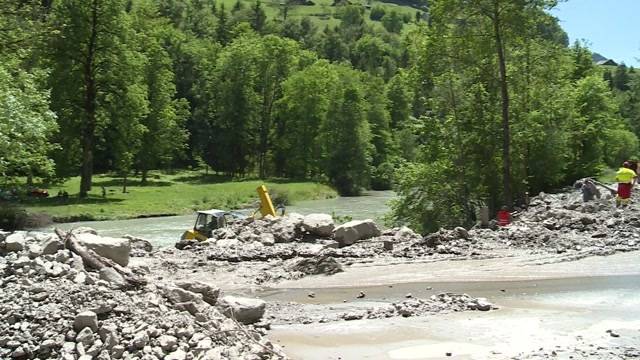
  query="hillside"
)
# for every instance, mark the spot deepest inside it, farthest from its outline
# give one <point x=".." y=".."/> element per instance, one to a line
<point x="322" y="12"/>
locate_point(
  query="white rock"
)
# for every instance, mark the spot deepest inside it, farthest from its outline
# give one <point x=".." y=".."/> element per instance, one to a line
<point x="34" y="251"/>
<point x="318" y="224"/>
<point x="86" y="319"/>
<point x="176" y="355"/>
<point x="85" y="336"/>
<point x="167" y="342"/>
<point x="15" y="242"/>
<point x="116" y="249"/>
<point x="267" y="239"/>
<point x="245" y="310"/>
<point x="209" y="292"/>
<point x="113" y="277"/>
<point x="349" y="233"/>
<point x="84" y="230"/>
<point x="228" y="243"/>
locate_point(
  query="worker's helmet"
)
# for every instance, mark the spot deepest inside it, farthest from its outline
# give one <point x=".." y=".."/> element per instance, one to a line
<point x="626" y="164"/>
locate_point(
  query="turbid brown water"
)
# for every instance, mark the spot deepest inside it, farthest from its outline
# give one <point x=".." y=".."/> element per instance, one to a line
<point x="558" y="307"/>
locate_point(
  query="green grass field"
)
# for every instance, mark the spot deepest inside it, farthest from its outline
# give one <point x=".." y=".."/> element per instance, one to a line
<point x="164" y="194"/>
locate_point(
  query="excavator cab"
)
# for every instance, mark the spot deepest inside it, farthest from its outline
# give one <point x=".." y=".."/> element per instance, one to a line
<point x="208" y="221"/>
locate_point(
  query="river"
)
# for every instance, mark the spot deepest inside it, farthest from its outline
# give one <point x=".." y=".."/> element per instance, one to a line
<point x="542" y="309"/>
<point x="164" y="231"/>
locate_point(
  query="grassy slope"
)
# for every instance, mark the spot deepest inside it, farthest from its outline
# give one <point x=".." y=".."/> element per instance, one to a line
<point x="165" y="194"/>
<point x="321" y="13"/>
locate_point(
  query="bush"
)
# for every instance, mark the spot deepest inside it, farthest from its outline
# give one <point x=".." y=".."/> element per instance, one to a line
<point x="12" y="217"/>
<point x="622" y="145"/>
<point x="377" y="12"/>
<point x="382" y="177"/>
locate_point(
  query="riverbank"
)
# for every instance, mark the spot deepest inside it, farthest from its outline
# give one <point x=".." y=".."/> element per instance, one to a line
<point x="163" y="195"/>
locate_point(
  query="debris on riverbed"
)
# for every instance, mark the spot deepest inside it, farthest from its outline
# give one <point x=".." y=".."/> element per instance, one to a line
<point x="295" y="313"/>
<point x="51" y="306"/>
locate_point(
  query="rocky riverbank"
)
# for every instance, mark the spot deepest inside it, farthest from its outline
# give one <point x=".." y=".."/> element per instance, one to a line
<point x="54" y="305"/>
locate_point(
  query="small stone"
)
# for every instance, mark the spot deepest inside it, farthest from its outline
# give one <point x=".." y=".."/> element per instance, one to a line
<point x="86" y="319"/>
<point x="85" y="336"/>
<point x="311" y="294"/>
<point x="176" y="355"/>
<point x="361" y="295"/>
<point x="140" y="340"/>
<point x="409" y="295"/>
<point x="167" y="342"/>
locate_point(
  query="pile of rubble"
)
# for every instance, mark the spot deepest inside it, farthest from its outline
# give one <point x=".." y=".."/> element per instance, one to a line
<point x="295" y="313"/>
<point x="52" y="307"/>
<point x="558" y="223"/>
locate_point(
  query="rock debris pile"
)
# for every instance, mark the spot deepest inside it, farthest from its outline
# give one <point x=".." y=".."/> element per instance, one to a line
<point x="51" y="307"/>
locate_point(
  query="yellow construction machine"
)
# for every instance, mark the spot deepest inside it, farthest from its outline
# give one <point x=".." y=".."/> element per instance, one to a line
<point x="209" y="220"/>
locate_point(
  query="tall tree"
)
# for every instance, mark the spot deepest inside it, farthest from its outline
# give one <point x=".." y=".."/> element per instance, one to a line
<point x="86" y="55"/>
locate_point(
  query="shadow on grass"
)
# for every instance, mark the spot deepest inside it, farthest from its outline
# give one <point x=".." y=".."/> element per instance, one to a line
<point x="130" y="183"/>
<point x="71" y="200"/>
<point x="203" y="179"/>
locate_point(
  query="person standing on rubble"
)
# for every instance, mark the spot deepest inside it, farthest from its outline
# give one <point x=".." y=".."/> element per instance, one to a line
<point x="504" y="216"/>
<point x="625" y="177"/>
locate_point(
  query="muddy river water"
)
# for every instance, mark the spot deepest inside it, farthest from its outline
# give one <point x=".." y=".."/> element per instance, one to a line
<point x="542" y="309"/>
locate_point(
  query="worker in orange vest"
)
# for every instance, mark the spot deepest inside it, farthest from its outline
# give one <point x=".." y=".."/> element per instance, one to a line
<point x="504" y="216"/>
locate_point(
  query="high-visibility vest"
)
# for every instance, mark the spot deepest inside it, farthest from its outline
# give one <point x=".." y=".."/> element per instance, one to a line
<point x="625" y="175"/>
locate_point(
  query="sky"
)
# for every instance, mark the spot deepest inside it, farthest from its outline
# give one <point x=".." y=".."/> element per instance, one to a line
<point x="610" y="27"/>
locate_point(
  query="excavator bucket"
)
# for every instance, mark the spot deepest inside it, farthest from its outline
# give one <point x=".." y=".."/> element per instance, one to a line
<point x="266" y="206"/>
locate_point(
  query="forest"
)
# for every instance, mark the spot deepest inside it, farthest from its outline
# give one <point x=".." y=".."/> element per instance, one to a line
<point x="466" y="102"/>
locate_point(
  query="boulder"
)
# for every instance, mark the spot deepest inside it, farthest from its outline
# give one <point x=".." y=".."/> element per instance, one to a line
<point x="177" y="295"/>
<point x="318" y="224"/>
<point x="86" y="319"/>
<point x="34" y="251"/>
<point x="15" y="242"/>
<point x="116" y="249"/>
<point x="51" y="246"/>
<point x="349" y="233"/>
<point x="244" y="310"/>
<point x="113" y="277"/>
<point x="167" y="342"/>
<point x="267" y="239"/>
<point x="318" y="265"/>
<point x="139" y="243"/>
<point x="209" y="292"/>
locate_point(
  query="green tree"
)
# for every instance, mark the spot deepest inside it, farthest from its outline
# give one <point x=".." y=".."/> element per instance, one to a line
<point x="346" y="141"/>
<point x="86" y="57"/>
<point x="26" y="123"/>
<point x="393" y="22"/>
<point x="620" y="79"/>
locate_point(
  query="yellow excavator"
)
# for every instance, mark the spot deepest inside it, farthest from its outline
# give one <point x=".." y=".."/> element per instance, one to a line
<point x="209" y="220"/>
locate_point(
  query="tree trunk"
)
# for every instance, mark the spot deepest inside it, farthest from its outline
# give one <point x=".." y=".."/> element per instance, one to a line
<point x="504" y="92"/>
<point x="124" y="184"/>
<point x="145" y="176"/>
<point x="90" y="92"/>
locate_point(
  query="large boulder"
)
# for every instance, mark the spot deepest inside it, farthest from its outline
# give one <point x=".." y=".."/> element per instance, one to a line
<point x="209" y="292"/>
<point x="116" y="249"/>
<point x="51" y="246"/>
<point x="318" y="224"/>
<point x="244" y="310"/>
<point x="286" y="229"/>
<point x="349" y="233"/>
<point x="15" y="242"/>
